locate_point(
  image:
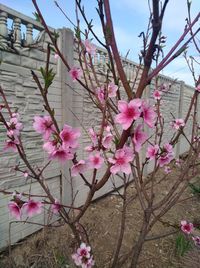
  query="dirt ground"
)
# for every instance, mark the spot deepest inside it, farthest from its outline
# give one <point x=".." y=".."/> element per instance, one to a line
<point x="52" y="247"/>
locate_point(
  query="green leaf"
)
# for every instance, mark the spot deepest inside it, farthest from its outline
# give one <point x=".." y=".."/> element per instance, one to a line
<point x="90" y="24"/>
<point x="56" y="35"/>
<point x="116" y="141"/>
<point x="195" y="189"/>
<point x="37" y="17"/>
<point x="77" y="33"/>
<point x="61" y="260"/>
<point x="183" y="245"/>
<point x="180" y="51"/>
<point x="47" y="76"/>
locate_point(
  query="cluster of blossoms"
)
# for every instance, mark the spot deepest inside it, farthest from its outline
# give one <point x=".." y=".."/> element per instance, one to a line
<point x="104" y="92"/>
<point x="188" y="228"/>
<point x="13" y="133"/>
<point x="63" y="144"/>
<point x="138" y="109"/>
<point x="177" y="123"/>
<point x="135" y="109"/>
<point x="121" y="160"/>
<point x="95" y="159"/>
<point x="129" y="113"/>
<point x="165" y="155"/>
<point x="59" y="146"/>
<point x="18" y="207"/>
<point x="95" y="138"/>
<point x="83" y="257"/>
<point x="158" y="92"/>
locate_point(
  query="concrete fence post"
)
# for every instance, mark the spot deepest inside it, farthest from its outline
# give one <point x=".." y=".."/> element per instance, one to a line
<point x="147" y="95"/>
<point x="67" y="49"/>
<point x="180" y="114"/>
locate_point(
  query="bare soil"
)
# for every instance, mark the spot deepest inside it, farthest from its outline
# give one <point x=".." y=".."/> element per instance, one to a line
<point x="52" y="247"/>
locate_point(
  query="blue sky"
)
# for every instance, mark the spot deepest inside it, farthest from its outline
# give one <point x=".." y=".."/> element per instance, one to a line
<point x="129" y="18"/>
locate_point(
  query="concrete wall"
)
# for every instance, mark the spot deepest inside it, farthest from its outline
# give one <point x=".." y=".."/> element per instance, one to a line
<point x="15" y="78"/>
<point x="17" y="61"/>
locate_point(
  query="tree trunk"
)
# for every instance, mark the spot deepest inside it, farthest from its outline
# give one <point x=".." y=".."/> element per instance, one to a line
<point x="139" y="244"/>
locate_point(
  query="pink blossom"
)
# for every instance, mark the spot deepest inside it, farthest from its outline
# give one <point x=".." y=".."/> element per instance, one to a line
<point x="16" y="115"/>
<point x="128" y="112"/>
<point x="61" y="154"/>
<point x="165" y="159"/>
<point x="56" y="56"/>
<point x="80" y="167"/>
<point x="148" y="114"/>
<point x="14" y="209"/>
<point x="44" y="126"/>
<point x="77" y="259"/>
<point x="89" y="148"/>
<point x="56" y="206"/>
<point x="198" y="88"/>
<point x="82" y="257"/>
<point x="152" y="151"/>
<point x="112" y="90"/>
<point x="101" y="94"/>
<point x="69" y="136"/>
<point x="196" y="139"/>
<point x="88" y="263"/>
<point x="32" y="207"/>
<point x="167" y="170"/>
<point x="107" y="128"/>
<point x="121" y="160"/>
<point x="164" y="87"/>
<point x="90" y="48"/>
<point x="157" y="94"/>
<point x="187" y="227"/>
<point x="107" y="140"/>
<point x="196" y="240"/>
<point x="84" y="250"/>
<point x="10" y="146"/>
<point x="95" y="160"/>
<point x="167" y="155"/>
<point x="82" y="261"/>
<point x="58" y="151"/>
<point x="75" y="73"/>
<point x="50" y="146"/>
<point x="139" y="137"/>
<point x="93" y="136"/>
<point x="26" y="174"/>
<point x="177" y="123"/>
<point x="168" y="148"/>
<point x="14" y="126"/>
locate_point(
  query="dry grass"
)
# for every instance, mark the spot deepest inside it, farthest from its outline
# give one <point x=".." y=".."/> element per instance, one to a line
<point x="52" y="247"/>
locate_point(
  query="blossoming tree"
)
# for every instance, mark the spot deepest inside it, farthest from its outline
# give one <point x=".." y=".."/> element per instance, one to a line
<point x="117" y="142"/>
